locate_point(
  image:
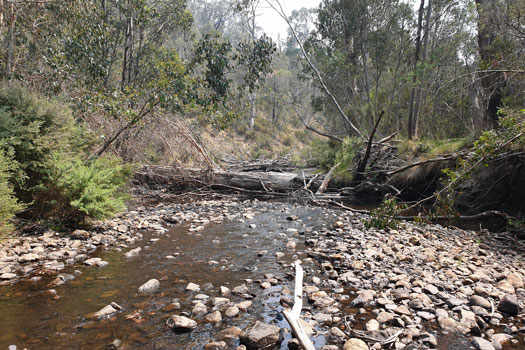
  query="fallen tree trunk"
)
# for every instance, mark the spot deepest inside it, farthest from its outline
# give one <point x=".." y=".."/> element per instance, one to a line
<point x="258" y="181"/>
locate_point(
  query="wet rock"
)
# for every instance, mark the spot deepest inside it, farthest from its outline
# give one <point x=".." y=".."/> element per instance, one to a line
<point x="149" y="287"/>
<point x="177" y="322"/>
<point x="229" y="333"/>
<point x="509" y="305"/>
<point x="133" y="252"/>
<point x="221" y="345"/>
<point x="261" y="336"/>
<point x="214" y="317"/>
<point x="192" y="287"/>
<point x="107" y="310"/>
<point x="355" y="344"/>
<point x="482" y="344"/>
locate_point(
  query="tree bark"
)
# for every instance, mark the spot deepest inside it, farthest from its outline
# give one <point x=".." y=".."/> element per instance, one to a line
<point x="411" y="115"/>
<point x="492" y="82"/>
<point x="11" y="38"/>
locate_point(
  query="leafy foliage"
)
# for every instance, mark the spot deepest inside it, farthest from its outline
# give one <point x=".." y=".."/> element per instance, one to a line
<point x="385" y="216"/>
<point x="75" y="189"/>
<point x="10" y="205"/>
<point x="48" y="165"/>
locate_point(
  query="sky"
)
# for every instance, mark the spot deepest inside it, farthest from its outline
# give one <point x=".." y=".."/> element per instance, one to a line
<point x="274" y="25"/>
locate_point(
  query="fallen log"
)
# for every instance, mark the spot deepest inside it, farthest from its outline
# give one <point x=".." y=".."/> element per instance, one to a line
<point x="189" y="179"/>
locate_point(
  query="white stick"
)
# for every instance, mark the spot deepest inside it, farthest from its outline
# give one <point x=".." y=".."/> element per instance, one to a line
<point x="293" y="316"/>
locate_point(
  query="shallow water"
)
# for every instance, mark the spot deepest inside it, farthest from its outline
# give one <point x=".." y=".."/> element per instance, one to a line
<point x="31" y="317"/>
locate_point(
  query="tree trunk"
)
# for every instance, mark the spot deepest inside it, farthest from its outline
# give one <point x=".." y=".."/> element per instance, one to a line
<point x="252" y="98"/>
<point x="411" y="115"/>
<point x="419" y="97"/>
<point x="492" y="82"/>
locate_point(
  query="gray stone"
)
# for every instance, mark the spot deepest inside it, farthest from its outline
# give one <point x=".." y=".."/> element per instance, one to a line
<point x="261" y="336"/>
<point x="509" y="305"/>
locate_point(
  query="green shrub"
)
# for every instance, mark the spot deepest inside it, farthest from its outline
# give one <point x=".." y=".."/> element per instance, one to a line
<point x="9" y="204"/>
<point x="30" y="129"/>
<point x="50" y="171"/>
<point x="386" y="215"/>
<point x="75" y="189"/>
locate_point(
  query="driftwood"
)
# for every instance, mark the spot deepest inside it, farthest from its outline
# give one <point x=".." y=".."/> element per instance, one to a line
<point x="293" y="317"/>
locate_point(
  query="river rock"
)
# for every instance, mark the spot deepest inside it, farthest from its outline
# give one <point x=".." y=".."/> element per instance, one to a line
<point x="242" y="289"/>
<point x="372" y="325"/>
<point x="482" y="344"/>
<point x="28" y="258"/>
<point x="498" y="340"/>
<point x="214" y="317"/>
<point x="133" y="252"/>
<point x="355" y="344"/>
<point x="261" y="336"/>
<point x="244" y="305"/>
<point x="105" y="311"/>
<point x="364" y="297"/>
<point x="7" y="276"/>
<point x="516" y="279"/>
<point x="232" y="311"/>
<point x="192" y="287"/>
<point x="149" y="287"/>
<point x="229" y="333"/>
<point x="177" y="322"/>
<point x="509" y="305"/>
<point x="225" y="291"/>
<point x="199" y="309"/>
<point x="221" y="345"/>
<point x="480" y="301"/>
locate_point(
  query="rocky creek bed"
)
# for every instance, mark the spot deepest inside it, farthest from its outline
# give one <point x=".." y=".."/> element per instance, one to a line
<point x="217" y="275"/>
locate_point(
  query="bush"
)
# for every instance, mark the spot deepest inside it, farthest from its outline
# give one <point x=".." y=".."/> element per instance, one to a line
<point x="75" y="189"/>
<point x="50" y="171"/>
<point x="9" y="204"/>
